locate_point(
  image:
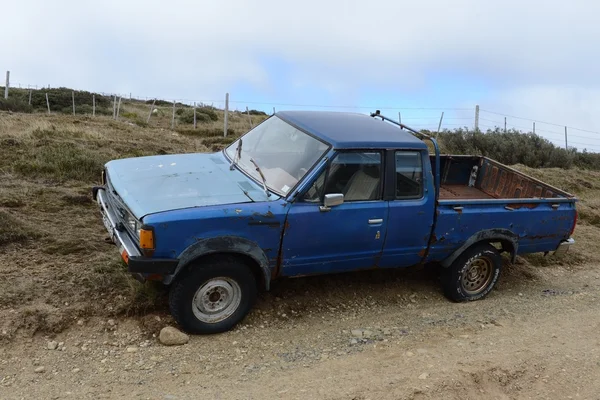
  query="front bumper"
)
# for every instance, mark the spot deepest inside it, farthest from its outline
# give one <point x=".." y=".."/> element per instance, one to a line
<point x="127" y="247"/>
<point x="564" y="247"/>
<point x="141" y="267"/>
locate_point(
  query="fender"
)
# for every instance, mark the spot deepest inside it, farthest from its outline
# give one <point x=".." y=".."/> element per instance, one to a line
<point x="224" y="244"/>
<point x="488" y="235"/>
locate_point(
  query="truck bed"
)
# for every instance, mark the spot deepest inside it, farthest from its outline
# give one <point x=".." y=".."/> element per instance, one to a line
<point x="449" y="192"/>
<point x="479" y="178"/>
<point x="479" y="196"/>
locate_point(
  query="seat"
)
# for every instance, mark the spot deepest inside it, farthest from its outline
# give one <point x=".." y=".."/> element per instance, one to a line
<point x="363" y="185"/>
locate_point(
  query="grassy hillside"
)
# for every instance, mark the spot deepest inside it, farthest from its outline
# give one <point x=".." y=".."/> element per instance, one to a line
<point x="144" y="113"/>
<point x="53" y="258"/>
<point x="54" y="264"/>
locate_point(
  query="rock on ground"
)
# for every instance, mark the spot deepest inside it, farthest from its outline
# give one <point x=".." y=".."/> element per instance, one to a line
<point x="170" y="336"/>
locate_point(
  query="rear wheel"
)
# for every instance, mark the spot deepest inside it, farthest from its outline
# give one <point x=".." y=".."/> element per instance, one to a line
<point x="473" y="275"/>
<point x="213" y="297"/>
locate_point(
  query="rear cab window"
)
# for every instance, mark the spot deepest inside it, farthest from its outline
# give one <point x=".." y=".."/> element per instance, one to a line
<point x="409" y="175"/>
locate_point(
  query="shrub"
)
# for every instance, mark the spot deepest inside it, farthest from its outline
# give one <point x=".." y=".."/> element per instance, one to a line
<point x="130" y="115"/>
<point x="140" y="122"/>
<point x="15" y="105"/>
<point x="187" y="117"/>
<point x="104" y="111"/>
<point x="210" y="112"/>
<point x="83" y="109"/>
<point x="62" y="161"/>
<point x="256" y="112"/>
<point x="511" y="147"/>
<point x="159" y="102"/>
<point x="61" y="99"/>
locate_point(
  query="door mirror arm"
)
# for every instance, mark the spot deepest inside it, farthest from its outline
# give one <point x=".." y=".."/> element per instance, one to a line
<point x="331" y="200"/>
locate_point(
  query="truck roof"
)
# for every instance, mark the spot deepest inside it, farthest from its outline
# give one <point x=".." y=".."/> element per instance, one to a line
<point x="345" y="130"/>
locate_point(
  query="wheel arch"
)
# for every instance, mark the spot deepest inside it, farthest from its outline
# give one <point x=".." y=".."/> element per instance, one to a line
<point x="507" y="239"/>
<point x="246" y="250"/>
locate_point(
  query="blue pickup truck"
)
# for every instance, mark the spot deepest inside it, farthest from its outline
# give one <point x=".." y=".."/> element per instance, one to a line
<point x="307" y="193"/>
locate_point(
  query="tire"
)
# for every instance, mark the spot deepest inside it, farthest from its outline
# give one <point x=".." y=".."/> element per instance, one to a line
<point x="473" y="275"/>
<point x="213" y="296"/>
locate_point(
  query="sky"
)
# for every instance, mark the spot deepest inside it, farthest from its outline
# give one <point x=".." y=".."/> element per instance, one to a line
<point x="533" y="59"/>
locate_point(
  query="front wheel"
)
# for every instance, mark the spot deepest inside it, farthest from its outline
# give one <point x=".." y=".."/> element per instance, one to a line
<point x="213" y="297"/>
<point x="473" y="275"/>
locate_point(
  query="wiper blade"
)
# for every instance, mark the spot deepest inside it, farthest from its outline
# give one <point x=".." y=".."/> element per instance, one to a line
<point x="264" y="180"/>
<point x="236" y="157"/>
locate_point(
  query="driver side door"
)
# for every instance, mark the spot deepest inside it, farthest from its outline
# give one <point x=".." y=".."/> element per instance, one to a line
<point x="345" y="237"/>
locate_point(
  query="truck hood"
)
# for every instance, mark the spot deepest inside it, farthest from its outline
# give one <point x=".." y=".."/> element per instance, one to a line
<point x="154" y="184"/>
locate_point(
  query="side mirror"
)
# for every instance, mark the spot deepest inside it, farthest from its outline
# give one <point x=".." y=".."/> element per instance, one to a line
<point x="332" y="200"/>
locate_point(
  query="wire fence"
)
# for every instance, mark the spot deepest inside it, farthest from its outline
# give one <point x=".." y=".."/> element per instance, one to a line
<point x="190" y="111"/>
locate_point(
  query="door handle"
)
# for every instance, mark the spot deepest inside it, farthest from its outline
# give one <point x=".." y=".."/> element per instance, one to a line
<point x="376" y="221"/>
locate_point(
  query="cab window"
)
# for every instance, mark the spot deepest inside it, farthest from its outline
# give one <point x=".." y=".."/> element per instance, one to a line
<point x="409" y="175"/>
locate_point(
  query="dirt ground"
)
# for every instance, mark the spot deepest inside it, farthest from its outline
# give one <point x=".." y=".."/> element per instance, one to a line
<point x="536" y="337"/>
<point x="73" y="325"/>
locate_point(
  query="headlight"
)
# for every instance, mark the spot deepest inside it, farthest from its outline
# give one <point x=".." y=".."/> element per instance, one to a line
<point x="133" y="225"/>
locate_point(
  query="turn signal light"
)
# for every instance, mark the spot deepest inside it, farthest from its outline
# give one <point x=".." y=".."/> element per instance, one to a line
<point x="147" y="238"/>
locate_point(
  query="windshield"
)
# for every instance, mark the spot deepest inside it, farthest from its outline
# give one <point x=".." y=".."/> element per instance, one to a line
<point x="283" y="153"/>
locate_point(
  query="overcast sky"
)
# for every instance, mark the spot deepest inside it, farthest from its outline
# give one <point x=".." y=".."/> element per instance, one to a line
<point x="534" y="59"/>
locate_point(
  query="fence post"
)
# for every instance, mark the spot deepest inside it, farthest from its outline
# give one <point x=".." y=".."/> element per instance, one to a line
<point x="249" y="118"/>
<point x="566" y="143"/>
<point x="7" y="84"/>
<point x="118" y="109"/>
<point x="194" y="115"/>
<point x="73" y="97"/>
<point x="273" y="110"/>
<point x="173" y="119"/>
<point x="399" y="117"/>
<point x="115" y="107"/>
<point x="504" y="124"/>
<point x="151" y="109"/>
<point x="477" y="117"/>
<point x="48" y="103"/>
<point x="226" y="113"/>
<point x="93" y="105"/>
<point x="439" y="126"/>
<point x="30" y="97"/>
<point x="534" y="127"/>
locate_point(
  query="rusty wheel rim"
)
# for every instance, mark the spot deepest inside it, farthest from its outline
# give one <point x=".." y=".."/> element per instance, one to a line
<point x="477" y="276"/>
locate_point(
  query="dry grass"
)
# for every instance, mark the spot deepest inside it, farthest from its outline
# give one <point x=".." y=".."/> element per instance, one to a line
<point x="14" y="229"/>
<point x="585" y="185"/>
<point x="54" y="264"/>
<point x="53" y="258"/>
<point x="238" y="122"/>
